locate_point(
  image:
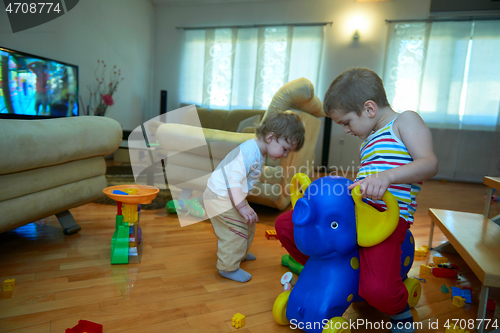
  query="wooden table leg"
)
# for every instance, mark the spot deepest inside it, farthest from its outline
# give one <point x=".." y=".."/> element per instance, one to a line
<point x="431" y="235"/>
<point x="481" y="312"/>
<point x="486" y="211"/>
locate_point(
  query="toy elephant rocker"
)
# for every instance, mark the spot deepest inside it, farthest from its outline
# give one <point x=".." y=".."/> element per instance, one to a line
<point x="329" y="225"/>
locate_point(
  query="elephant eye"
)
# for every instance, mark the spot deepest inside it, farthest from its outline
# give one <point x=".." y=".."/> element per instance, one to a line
<point x="334" y="225"/>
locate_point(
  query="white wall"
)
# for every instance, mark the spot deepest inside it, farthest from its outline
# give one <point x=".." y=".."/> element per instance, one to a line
<point x="120" y="32"/>
<point x="340" y="52"/>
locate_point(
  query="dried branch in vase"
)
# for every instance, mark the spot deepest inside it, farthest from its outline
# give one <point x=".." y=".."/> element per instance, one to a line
<point x="101" y="92"/>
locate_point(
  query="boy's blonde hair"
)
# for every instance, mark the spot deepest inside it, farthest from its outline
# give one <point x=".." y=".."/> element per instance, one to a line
<point x="351" y="89"/>
<point x="286" y="125"/>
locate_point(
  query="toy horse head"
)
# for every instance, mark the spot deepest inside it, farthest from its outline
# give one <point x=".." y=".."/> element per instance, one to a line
<point x="328" y="220"/>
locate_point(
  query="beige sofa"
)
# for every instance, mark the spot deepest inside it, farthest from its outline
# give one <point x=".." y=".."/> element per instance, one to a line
<point x="190" y="169"/>
<point x="49" y="166"/>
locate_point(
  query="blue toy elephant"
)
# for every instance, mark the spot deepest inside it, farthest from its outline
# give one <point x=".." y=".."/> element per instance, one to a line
<point x="329" y="225"/>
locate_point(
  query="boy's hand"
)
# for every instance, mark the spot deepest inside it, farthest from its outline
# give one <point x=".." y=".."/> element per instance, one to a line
<point x="249" y="214"/>
<point x="373" y="186"/>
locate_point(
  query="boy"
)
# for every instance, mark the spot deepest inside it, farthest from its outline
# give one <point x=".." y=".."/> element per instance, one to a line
<point x="396" y="155"/>
<point x="232" y="218"/>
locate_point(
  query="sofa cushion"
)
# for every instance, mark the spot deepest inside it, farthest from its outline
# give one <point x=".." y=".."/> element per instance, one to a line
<point x="31" y="181"/>
<point x="45" y="142"/>
<point x="17" y="211"/>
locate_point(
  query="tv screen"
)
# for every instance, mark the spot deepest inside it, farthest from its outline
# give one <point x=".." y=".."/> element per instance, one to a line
<point x="36" y="87"/>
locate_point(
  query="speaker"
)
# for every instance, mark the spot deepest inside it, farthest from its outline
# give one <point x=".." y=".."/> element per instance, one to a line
<point x="163" y="102"/>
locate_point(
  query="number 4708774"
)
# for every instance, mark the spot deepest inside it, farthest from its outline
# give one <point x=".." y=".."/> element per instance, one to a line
<point x="471" y="323"/>
<point x="32" y="8"/>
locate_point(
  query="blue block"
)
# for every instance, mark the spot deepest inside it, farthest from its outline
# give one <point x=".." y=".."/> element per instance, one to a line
<point x="455" y="291"/>
<point x="119" y="192"/>
<point x="466" y="294"/>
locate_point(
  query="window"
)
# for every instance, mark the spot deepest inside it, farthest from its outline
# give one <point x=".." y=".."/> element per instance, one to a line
<point x="237" y="68"/>
<point x="447" y="71"/>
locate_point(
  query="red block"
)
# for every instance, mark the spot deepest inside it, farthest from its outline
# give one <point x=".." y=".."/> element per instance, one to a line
<point x="444" y="272"/>
<point x="491" y="305"/>
<point x="85" y="326"/>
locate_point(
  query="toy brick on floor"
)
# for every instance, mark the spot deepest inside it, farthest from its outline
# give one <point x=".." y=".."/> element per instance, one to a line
<point x="271" y="233"/>
<point x="458" y="301"/>
<point x="439" y="260"/>
<point x="421" y="251"/>
<point x="9" y="284"/>
<point x="424" y="269"/>
<point x="444" y="272"/>
<point x="85" y="326"/>
<point x="238" y="320"/>
<point x="464" y="293"/>
<point x="456" y="329"/>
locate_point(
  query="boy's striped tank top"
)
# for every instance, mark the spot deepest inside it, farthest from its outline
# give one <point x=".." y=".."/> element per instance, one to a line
<point x="381" y="151"/>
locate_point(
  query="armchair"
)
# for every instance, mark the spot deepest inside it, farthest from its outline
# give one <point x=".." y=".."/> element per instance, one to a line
<point x="191" y="169"/>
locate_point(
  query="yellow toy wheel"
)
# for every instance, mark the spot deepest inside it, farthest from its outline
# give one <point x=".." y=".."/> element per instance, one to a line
<point x="279" y="308"/>
<point x="414" y="291"/>
<point x="337" y="325"/>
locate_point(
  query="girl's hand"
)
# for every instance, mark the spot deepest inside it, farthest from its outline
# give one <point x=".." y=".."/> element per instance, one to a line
<point x="248" y="214"/>
<point x="373" y="186"/>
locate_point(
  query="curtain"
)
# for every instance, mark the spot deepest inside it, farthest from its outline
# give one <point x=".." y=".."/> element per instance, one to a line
<point x="449" y="72"/>
<point x="238" y="68"/>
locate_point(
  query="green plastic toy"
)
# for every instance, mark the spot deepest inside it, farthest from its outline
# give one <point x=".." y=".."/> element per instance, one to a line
<point x="289" y="262"/>
<point x="126" y="245"/>
<point x="119" y="242"/>
<point x="190" y="206"/>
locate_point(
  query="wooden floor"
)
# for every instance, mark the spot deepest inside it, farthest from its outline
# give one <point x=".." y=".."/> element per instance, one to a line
<point x="176" y="288"/>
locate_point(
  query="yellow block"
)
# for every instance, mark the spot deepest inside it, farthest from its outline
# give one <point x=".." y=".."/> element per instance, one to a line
<point x="458" y="301"/>
<point x="129" y="212"/>
<point x="440" y="260"/>
<point x="421" y="251"/>
<point x="238" y="320"/>
<point x="9" y="284"/>
<point x="424" y="269"/>
<point x="456" y="329"/>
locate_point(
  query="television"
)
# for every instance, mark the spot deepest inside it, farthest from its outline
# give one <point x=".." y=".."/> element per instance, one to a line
<point x="34" y="87"/>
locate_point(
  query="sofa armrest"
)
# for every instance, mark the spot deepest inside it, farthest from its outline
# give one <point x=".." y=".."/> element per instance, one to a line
<point x="30" y="144"/>
<point x="297" y="95"/>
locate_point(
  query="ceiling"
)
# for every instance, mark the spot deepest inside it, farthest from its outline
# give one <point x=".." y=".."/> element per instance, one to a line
<point x="201" y="2"/>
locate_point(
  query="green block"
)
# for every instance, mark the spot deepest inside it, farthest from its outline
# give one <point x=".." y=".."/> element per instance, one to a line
<point x="118" y="222"/>
<point x="119" y="245"/>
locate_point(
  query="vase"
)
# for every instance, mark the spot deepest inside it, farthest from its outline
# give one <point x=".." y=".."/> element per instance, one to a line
<point x="100" y="110"/>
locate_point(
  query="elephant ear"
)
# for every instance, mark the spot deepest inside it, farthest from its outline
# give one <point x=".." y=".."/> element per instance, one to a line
<point x="372" y="226"/>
